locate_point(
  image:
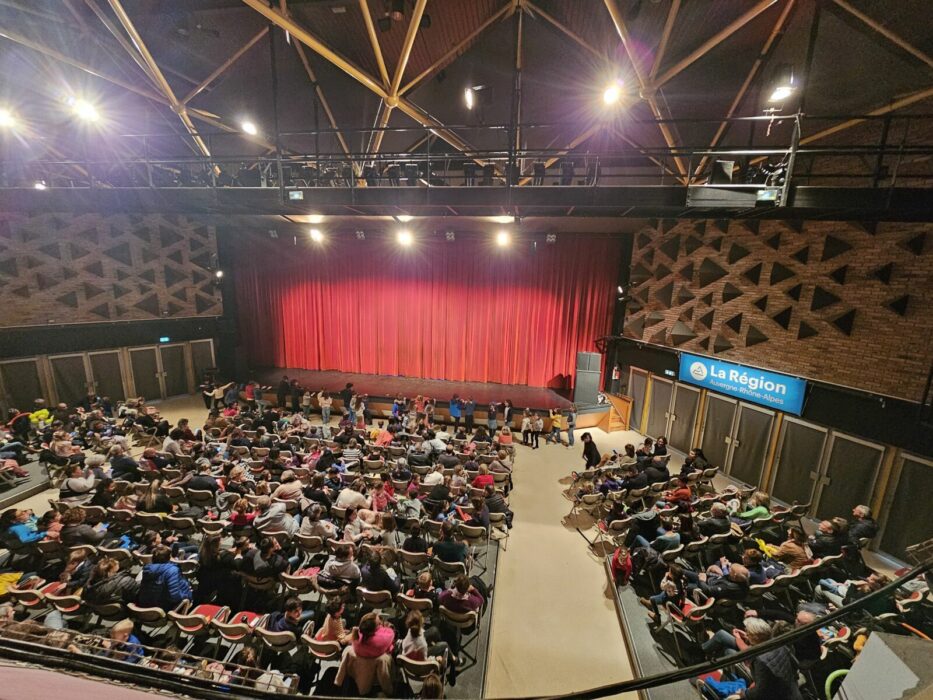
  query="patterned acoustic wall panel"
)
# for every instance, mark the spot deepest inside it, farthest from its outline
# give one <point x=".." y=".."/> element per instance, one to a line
<point x="64" y="268"/>
<point x="842" y="302"/>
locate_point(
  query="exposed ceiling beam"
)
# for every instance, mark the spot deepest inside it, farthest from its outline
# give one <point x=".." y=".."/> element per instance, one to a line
<point x="222" y="68"/>
<point x="140" y="45"/>
<point x="580" y="41"/>
<point x="665" y="37"/>
<point x="886" y="33"/>
<point x="316" y="45"/>
<point x="62" y="58"/>
<point x="647" y="94"/>
<point x="121" y="39"/>
<point x="374" y="41"/>
<point x="906" y="101"/>
<point x="713" y="42"/>
<point x="445" y="60"/>
<point x="325" y="105"/>
<point x="756" y="66"/>
<point x="407" y="46"/>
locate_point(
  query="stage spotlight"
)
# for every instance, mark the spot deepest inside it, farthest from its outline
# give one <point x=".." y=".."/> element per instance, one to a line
<point x="7" y="120"/>
<point x="40" y="185"/>
<point x="361" y="235"/>
<point x="84" y="110"/>
<point x="219" y="274"/>
<point x="404" y="218"/>
<point x="612" y="93"/>
<point x="249" y="128"/>
<point x="503" y="239"/>
<point x="316" y="235"/>
<point x="551" y="238"/>
<point x="504" y="219"/>
<point x="450" y="236"/>
<point x="784" y="83"/>
<point x="404" y="238"/>
<point x="469" y="98"/>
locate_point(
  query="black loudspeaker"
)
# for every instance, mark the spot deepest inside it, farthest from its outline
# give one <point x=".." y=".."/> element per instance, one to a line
<point x="587" y="381"/>
<point x="722" y="172"/>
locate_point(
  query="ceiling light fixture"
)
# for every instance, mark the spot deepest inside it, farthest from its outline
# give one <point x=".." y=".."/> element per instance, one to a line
<point x="612" y="93"/>
<point x="503" y="239"/>
<point x="404" y="218"/>
<point x="7" y="120"/>
<point x="405" y="238"/>
<point x="249" y="128"/>
<point x="84" y="110"/>
<point x="316" y="235"/>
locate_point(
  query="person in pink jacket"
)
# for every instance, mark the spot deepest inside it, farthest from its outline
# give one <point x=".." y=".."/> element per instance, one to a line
<point x="372" y="638"/>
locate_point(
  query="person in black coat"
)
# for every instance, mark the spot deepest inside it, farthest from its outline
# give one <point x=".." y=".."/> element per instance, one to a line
<point x="829" y="539"/>
<point x="590" y="451"/>
<point x="107" y="584"/>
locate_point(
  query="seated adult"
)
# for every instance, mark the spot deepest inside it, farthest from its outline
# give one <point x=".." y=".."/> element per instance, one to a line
<point x="273" y="517"/>
<point x="76" y="532"/>
<point x="483" y="479"/>
<point x="732" y="586"/>
<point x="447" y="548"/>
<point x="435" y="477"/>
<point x="462" y="596"/>
<point x="862" y="525"/>
<point x="633" y="480"/>
<point x="679" y="494"/>
<point x="151" y="422"/>
<point x="162" y="584"/>
<point x="372" y="638"/>
<point x="316" y="492"/>
<point x="448" y="459"/>
<point x="656" y="471"/>
<point x="203" y="480"/>
<point x="108" y="584"/>
<point x="78" y="486"/>
<point x="313" y="524"/>
<point x="290" y="489"/>
<point x="401" y="472"/>
<point x="21" y="524"/>
<point x="376" y="578"/>
<point x="291" y="619"/>
<point x="756" y="507"/>
<point x="842" y="593"/>
<point x="829" y="539"/>
<point x="340" y="568"/>
<point x="415" y="542"/>
<point x="794" y="551"/>
<point x="354" y="496"/>
<point x="265" y="560"/>
<point x="172" y="443"/>
<point x="694" y="462"/>
<point x="154" y="500"/>
<point x="122" y="466"/>
<point x="495" y="502"/>
<point x="717" y="523"/>
<point x="480" y="515"/>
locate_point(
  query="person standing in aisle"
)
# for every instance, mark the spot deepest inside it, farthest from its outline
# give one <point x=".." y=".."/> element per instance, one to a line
<point x="508" y="412"/>
<point x="325" y="401"/>
<point x="537" y="427"/>
<point x="557" y="425"/>
<point x="571" y="423"/>
<point x="456" y="410"/>
<point x="469" y="406"/>
<point x="346" y="394"/>
<point x="296" y="396"/>
<point x="491" y="421"/>
<point x="282" y="392"/>
<point x="526" y="427"/>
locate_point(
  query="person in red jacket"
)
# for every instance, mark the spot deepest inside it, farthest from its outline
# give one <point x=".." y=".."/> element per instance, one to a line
<point x="483" y="479"/>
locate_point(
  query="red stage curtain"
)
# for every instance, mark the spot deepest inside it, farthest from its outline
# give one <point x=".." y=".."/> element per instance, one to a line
<point x="463" y="310"/>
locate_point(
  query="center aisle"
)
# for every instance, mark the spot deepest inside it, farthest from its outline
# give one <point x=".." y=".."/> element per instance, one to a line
<point x="554" y="625"/>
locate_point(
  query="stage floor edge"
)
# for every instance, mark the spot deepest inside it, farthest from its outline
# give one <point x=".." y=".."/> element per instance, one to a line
<point x="378" y="385"/>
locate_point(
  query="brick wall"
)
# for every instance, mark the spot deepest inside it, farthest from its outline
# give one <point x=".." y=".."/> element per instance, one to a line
<point x="841" y="302"/>
<point x="67" y="268"/>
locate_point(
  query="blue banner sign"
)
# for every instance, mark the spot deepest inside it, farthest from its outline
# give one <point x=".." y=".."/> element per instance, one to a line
<point x="778" y="391"/>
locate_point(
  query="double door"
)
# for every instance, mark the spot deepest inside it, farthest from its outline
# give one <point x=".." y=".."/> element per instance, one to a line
<point x="736" y="437"/>
<point x="672" y="411"/>
<point x="832" y="471"/>
<point x="159" y="371"/>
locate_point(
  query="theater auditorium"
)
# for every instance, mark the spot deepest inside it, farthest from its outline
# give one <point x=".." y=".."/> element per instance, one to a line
<point x="466" y="349"/>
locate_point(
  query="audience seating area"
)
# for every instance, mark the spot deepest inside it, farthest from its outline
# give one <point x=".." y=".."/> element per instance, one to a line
<point x="262" y="550"/>
<point x="720" y="569"/>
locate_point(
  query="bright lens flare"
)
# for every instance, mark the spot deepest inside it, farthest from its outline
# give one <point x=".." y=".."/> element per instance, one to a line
<point x="85" y="111"/>
<point x="612" y="94"/>
<point x="405" y="238"/>
<point x="503" y="239"/>
<point x="781" y="93"/>
<point x="316" y="235"/>
<point x="249" y="128"/>
<point x="468" y="98"/>
<point x="7" y="120"/>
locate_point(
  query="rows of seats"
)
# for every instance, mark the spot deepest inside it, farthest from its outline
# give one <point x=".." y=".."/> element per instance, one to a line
<point x="705" y="561"/>
<point x="243" y="572"/>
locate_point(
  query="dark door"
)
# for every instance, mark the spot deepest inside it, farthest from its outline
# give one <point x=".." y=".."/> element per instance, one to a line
<point x="717" y="429"/>
<point x="21" y="382"/>
<point x="902" y="527"/>
<point x="173" y="369"/>
<point x="659" y="407"/>
<point x="800" y="452"/>
<point x="849" y="476"/>
<point x="146" y="373"/>
<point x="70" y="378"/>
<point x="638" y="384"/>
<point x="683" y="418"/>
<point x="105" y="366"/>
<point x="750" y="444"/>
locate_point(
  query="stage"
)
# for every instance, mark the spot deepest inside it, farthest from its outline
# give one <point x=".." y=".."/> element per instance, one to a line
<point x="383" y="388"/>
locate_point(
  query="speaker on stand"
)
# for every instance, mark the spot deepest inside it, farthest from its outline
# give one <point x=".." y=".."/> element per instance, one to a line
<point x="587" y="379"/>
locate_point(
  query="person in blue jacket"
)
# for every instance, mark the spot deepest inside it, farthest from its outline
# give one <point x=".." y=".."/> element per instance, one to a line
<point x="163" y="585"/>
<point x="456" y="410"/>
<point x="21" y="524"/>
